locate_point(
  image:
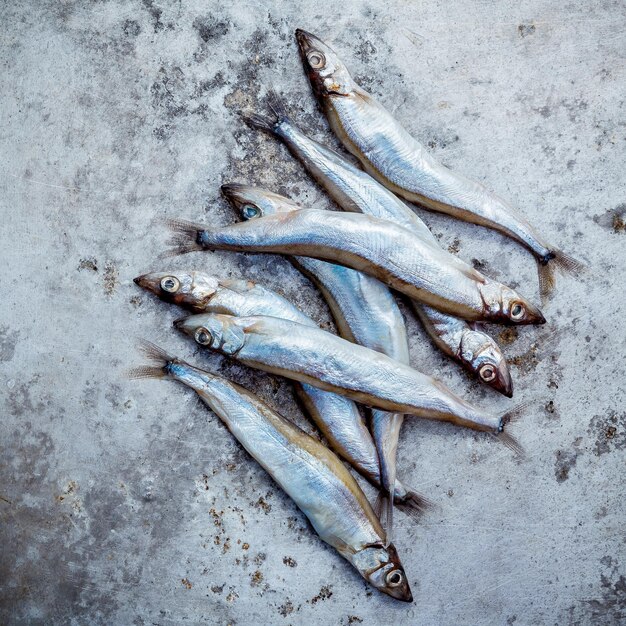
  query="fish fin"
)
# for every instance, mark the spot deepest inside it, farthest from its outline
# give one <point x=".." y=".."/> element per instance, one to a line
<point x="514" y="414"/>
<point x="265" y="122"/>
<point x="159" y="360"/>
<point x="415" y="505"/>
<point x="558" y="261"/>
<point x="511" y="417"/>
<point x="260" y="122"/>
<point x="277" y="104"/>
<point x="186" y="238"/>
<point x="512" y="444"/>
<point x="547" y="280"/>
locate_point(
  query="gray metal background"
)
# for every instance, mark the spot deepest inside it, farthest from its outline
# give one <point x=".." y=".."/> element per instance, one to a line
<point x="127" y="502"/>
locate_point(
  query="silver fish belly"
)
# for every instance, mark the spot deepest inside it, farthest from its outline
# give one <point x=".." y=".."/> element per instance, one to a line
<point x="355" y="190"/>
<point x="337" y="417"/>
<point x="400" y="162"/>
<point x="377" y="247"/>
<point x="311" y="475"/>
<point x="324" y="360"/>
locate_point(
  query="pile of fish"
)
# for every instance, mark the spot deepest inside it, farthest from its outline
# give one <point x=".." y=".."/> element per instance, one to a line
<point x="357" y="258"/>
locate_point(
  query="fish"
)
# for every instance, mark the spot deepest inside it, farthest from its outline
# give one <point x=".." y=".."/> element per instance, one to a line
<point x="365" y="312"/>
<point x="308" y="472"/>
<point x="391" y="155"/>
<point x="319" y="358"/>
<point x="337" y="417"/>
<point x="355" y="190"/>
<point x="376" y="247"/>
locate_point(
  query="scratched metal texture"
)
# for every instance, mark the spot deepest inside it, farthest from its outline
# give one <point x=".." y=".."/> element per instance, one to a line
<point x="127" y="502"/>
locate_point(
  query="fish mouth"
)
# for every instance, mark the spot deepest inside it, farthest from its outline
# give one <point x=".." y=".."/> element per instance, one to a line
<point x="234" y="193"/>
<point x="147" y="281"/>
<point x="305" y="40"/>
<point x="534" y="316"/>
<point x="503" y="381"/>
<point x="180" y="324"/>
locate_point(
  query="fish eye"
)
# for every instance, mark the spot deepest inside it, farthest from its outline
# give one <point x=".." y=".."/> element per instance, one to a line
<point x="316" y="60"/>
<point x="203" y="336"/>
<point x="394" y="578"/>
<point x="517" y="311"/>
<point x="171" y="284"/>
<point x="249" y="211"/>
<point x="487" y="373"/>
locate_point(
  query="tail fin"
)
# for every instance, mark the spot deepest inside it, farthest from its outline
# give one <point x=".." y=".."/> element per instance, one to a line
<point x="415" y="505"/>
<point x="267" y="123"/>
<point x="511" y="417"/>
<point x="561" y="262"/>
<point x="260" y="122"/>
<point x="186" y="237"/>
<point x="159" y="360"/>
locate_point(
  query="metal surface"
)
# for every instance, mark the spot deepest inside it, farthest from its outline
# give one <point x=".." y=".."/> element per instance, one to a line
<point x="127" y="502"/>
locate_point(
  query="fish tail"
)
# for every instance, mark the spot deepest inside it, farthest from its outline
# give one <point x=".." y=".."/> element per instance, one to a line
<point x="547" y="267"/>
<point x="266" y="122"/>
<point x="159" y="360"/>
<point x="277" y="104"/>
<point x="415" y="505"/>
<point x="186" y="237"/>
<point x="260" y="122"/>
<point x="514" y="414"/>
<point x="505" y="437"/>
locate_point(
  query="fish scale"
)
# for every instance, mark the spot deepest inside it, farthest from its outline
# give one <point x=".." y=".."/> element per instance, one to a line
<point x="377" y="247"/>
<point x="309" y="473"/>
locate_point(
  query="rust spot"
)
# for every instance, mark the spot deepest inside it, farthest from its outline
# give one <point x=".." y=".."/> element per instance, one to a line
<point x="508" y="336"/>
<point x="324" y="594"/>
<point x="262" y="504"/>
<point x="256" y="579"/>
<point x="186" y="583"/>
<point x="619" y="223"/>
<point x="286" y="608"/>
<point x="289" y="562"/>
<point x="527" y="361"/>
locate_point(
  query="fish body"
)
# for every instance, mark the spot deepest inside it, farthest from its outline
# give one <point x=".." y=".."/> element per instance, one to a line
<point x="376" y="247"/>
<point x="389" y="153"/>
<point x="329" y="362"/>
<point x="337" y="417"/>
<point x="309" y="473"/>
<point x="355" y="190"/>
<point x="366" y="313"/>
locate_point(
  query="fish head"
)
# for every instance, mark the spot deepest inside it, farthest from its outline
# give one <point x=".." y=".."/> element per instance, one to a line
<point x="252" y="202"/>
<point x="506" y="306"/>
<point x="381" y="567"/>
<point x="191" y="290"/>
<point x="482" y="356"/>
<point x="328" y="75"/>
<point x="214" y="331"/>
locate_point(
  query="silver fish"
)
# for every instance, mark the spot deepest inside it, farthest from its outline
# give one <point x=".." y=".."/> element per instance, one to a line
<point x="390" y="154"/>
<point x="366" y="313"/>
<point x="377" y="247"/>
<point x="354" y="190"/>
<point x="319" y="358"/>
<point x="337" y="417"/>
<point x="309" y="473"/>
